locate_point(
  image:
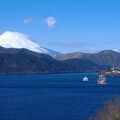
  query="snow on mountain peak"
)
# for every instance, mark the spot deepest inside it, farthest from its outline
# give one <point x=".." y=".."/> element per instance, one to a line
<point x="19" y="40"/>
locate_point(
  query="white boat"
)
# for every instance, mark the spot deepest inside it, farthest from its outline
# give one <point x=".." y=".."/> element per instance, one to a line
<point x="101" y="79"/>
<point x="85" y="78"/>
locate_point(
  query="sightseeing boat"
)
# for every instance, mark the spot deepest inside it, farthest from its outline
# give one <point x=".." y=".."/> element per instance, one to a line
<point x="101" y="79"/>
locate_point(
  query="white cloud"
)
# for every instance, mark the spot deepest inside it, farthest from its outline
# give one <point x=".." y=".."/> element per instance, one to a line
<point x="28" y="20"/>
<point x="51" y="22"/>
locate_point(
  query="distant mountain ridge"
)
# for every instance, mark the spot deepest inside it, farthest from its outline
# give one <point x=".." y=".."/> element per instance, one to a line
<point x="23" y="61"/>
<point x="106" y="57"/>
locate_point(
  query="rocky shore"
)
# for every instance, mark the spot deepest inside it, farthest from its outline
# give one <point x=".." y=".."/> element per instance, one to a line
<point x="112" y="72"/>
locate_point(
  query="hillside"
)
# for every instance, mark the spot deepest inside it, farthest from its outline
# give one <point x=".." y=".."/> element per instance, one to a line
<point x="103" y="58"/>
<point x="23" y="61"/>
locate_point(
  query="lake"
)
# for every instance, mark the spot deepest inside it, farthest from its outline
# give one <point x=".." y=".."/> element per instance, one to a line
<point x="53" y="96"/>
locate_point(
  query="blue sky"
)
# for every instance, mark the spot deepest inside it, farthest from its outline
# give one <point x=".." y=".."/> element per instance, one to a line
<point x="65" y="25"/>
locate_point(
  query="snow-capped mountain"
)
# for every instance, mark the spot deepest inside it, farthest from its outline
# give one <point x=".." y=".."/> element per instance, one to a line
<point x="19" y="40"/>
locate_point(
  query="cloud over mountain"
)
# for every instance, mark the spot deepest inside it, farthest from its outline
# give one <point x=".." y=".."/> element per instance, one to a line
<point x="50" y="22"/>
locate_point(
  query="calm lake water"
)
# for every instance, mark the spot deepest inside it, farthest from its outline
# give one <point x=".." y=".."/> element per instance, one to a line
<point x="53" y="97"/>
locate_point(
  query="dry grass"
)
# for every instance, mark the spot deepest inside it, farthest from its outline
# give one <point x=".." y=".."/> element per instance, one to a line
<point x="110" y="111"/>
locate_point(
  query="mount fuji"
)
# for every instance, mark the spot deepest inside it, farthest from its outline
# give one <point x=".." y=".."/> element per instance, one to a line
<point x="19" y="40"/>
